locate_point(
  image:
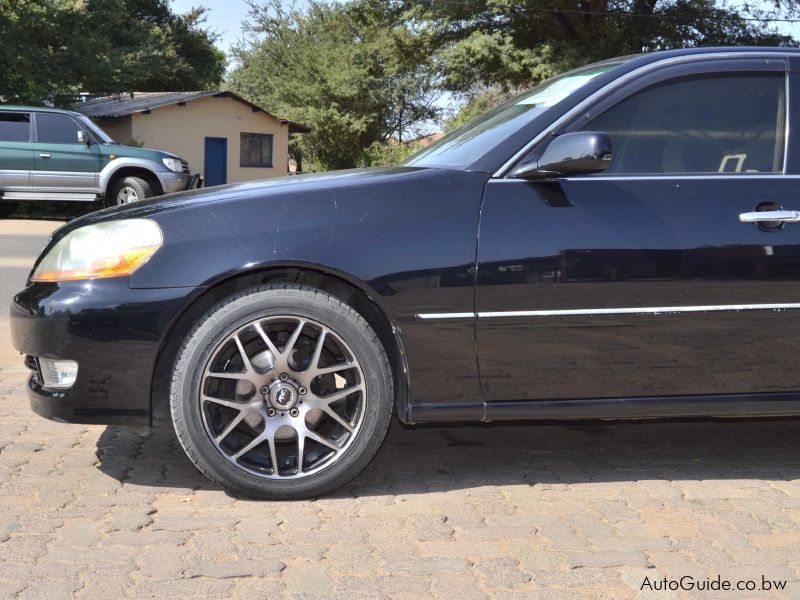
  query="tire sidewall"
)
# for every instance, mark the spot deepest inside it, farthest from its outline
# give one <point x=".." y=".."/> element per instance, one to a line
<point x="216" y="326"/>
<point x="142" y="187"/>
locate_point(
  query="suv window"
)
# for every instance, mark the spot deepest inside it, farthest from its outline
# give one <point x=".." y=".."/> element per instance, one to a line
<point x="710" y="124"/>
<point x="15" y="127"/>
<point x="56" y="129"/>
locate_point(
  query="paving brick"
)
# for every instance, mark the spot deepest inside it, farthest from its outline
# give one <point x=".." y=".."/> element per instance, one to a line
<point x="608" y="559"/>
<point x="235" y="568"/>
<point x="303" y="577"/>
<point x="195" y="588"/>
<point x="501" y="512"/>
<point x="501" y="573"/>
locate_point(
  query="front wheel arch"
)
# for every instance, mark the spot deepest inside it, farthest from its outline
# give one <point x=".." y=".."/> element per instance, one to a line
<point x="124" y="172"/>
<point x="375" y="315"/>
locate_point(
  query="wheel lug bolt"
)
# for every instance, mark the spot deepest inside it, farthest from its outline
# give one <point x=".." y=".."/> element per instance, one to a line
<point x="294" y="412"/>
<point x="301" y="390"/>
<point x="264" y="389"/>
<point x="284" y="376"/>
<point x="270" y="412"/>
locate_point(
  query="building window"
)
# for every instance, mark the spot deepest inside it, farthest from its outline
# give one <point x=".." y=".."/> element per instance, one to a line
<point x="255" y="150"/>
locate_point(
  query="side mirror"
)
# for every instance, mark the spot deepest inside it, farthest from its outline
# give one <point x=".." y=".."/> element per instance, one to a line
<point x="578" y="153"/>
<point x="83" y="138"/>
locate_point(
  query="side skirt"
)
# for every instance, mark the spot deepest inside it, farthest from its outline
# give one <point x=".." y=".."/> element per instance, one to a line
<point x="657" y="407"/>
<point x="61" y="196"/>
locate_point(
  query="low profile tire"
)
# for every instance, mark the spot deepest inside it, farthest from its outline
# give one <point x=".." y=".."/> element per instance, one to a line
<point x="7" y="209"/>
<point x="281" y="392"/>
<point x="130" y="189"/>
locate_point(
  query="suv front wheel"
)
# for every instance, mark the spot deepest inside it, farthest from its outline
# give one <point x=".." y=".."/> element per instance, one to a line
<point x="130" y="189"/>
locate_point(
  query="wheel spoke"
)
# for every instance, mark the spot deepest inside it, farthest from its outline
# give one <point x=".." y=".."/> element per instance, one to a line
<point x="326" y="400"/>
<point x="258" y="440"/>
<point x="293" y="340"/>
<point x="332" y="414"/>
<point x="335" y="368"/>
<point x="272" y="347"/>
<point x="242" y="376"/>
<point x="245" y="359"/>
<point x="301" y="448"/>
<point x="273" y="456"/>
<point x="318" y="438"/>
<point x="318" y="350"/>
<point x="231" y="426"/>
<point x="229" y="403"/>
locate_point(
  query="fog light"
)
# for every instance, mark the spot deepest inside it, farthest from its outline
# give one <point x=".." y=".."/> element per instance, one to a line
<point x="59" y="374"/>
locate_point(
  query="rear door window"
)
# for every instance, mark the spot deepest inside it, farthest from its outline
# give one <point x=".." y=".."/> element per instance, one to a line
<point x="15" y="127"/>
<point x="56" y="129"/>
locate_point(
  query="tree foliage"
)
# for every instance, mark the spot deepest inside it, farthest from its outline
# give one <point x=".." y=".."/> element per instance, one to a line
<point x="511" y="43"/>
<point x="355" y="72"/>
<point x="361" y="72"/>
<point x="60" y="47"/>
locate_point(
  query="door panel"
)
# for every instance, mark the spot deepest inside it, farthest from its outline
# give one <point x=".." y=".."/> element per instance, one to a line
<point x="593" y="246"/>
<point x="16" y="160"/>
<point x="61" y="164"/>
<point x="643" y="282"/>
<point x="16" y="151"/>
<point x="215" y="169"/>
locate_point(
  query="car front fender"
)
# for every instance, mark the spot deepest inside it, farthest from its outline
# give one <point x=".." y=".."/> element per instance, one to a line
<point x="126" y="162"/>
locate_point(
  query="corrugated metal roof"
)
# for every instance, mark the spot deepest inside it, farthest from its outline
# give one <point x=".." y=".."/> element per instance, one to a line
<point x="121" y="105"/>
<point x="127" y="104"/>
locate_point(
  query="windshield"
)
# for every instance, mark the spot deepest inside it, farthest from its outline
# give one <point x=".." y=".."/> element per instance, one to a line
<point x="96" y="131"/>
<point x="468" y="143"/>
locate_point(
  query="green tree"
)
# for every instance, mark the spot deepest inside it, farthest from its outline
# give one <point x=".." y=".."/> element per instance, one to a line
<point x="55" y="48"/>
<point x="509" y="43"/>
<point x="357" y="73"/>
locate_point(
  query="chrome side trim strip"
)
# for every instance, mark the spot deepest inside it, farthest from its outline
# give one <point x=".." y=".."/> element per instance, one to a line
<point x="622" y="80"/>
<point x="78" y="197"/>
<point x="676" y="177"/>
<point x="643" y="310"/>
<point x="434" y="316"/>
<point x="638" y="310"/>
<point x="707" y="177"/>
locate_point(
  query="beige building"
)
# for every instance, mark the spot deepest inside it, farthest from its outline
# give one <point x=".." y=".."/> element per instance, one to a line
<point x="224" y="137"/>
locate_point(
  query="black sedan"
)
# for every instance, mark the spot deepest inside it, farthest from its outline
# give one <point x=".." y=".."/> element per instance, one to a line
<point x="618" y="242"/>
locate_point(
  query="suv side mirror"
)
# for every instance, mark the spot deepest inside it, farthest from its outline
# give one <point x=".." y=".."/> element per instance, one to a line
<point x="578" y="153"/>
<point x="83" y="138"/>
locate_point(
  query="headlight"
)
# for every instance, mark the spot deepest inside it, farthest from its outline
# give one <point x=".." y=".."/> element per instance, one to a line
<point x="173" y="164"/>
<point x="110" y="249"/>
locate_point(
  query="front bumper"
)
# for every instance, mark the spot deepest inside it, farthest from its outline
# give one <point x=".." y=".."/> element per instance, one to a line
<point x="112" y="331"/>
<point x="177" y="182"/>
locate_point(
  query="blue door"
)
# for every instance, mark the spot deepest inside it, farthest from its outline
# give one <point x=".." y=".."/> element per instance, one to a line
<point x="215" y="168"/>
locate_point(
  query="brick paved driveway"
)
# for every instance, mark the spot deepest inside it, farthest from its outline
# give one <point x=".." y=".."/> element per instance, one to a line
<point x="460" y="512"/>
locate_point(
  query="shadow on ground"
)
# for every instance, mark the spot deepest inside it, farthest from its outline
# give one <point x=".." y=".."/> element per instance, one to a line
<point x="425" y="459"/>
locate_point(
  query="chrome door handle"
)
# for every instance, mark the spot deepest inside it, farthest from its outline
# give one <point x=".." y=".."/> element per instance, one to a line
<point x="770" y="216"/>
<point x="44" y="155"/>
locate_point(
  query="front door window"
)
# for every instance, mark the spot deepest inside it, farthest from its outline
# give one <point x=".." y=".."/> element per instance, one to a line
<point x="711" y="124"/>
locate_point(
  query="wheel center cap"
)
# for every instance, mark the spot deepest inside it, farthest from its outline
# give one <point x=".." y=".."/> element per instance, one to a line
<point x="283" y="396"/>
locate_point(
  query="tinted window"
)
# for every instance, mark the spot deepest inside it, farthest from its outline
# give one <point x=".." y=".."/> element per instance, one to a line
<point x="15" y="127"/>
<point x="709" y="124"/>
<point x="56" y="129"/>
<point x="255" y="150"/>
